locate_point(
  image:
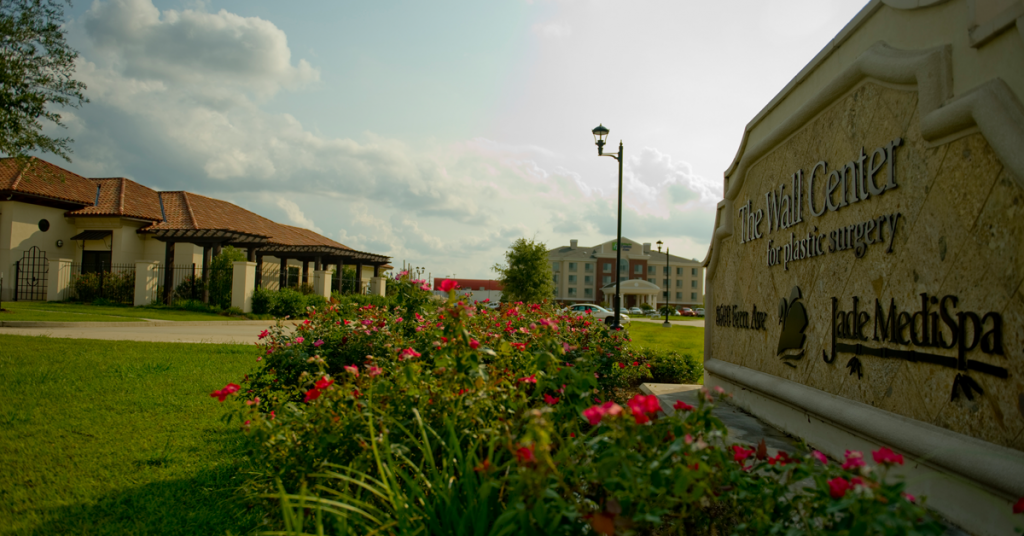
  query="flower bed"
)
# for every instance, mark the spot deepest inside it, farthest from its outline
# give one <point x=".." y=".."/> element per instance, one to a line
<point x="466" y="420"/>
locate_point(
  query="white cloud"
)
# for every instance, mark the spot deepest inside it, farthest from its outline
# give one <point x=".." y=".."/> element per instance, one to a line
<point x="552" y="29"/>
<point x="296" y="216"/>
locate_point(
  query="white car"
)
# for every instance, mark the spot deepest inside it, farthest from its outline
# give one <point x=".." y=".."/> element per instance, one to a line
<point x="598" y="312"/>
<point x="700" y="311"/>
<point x="636" y="311"/>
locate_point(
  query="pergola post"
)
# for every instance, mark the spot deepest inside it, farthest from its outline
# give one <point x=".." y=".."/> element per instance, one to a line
<point x="251" y="256"/>
<point x="359" y="278"/>
<point x="207" y="259"/>
<point x="168" y="272"/>
<point x="259" y="268"/>
<point x="376" y="270"/>
<point x="283" y="275"/>
<point x="305" y="272"/>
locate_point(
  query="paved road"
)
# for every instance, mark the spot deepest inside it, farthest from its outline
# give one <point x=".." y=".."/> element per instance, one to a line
<point x="203" y="332"/>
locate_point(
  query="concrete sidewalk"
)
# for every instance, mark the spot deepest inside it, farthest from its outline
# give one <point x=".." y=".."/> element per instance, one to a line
<point x="240" y="332"/>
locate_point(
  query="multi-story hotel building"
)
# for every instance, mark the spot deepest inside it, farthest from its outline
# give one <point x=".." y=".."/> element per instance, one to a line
<point x="586" y="274"/>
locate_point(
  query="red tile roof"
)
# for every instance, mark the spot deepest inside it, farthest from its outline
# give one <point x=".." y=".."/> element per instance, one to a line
<point x="123" y="198"/>
<point x="37" y="177"/>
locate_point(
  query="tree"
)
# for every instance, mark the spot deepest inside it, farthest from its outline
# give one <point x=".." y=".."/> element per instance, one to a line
<point x="526" y="275"/>
<point x="36" y="68"/>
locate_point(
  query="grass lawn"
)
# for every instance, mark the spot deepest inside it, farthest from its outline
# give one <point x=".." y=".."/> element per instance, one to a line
<point x="77" y="312"/>
<point x="118" y="437"/>
<point x="682" y="339"/>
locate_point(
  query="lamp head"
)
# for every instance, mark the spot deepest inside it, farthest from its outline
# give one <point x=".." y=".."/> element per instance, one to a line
<point x="659" y="245"/>
<point x="600" y="133"/>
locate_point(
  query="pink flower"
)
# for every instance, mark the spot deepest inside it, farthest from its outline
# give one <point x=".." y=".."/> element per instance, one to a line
<point x="641" y="405"/>
<point x="532" y="378"/>
<point x="273" y="415"/>
<point x="306" y="322"/>
<point x="254" y="402"/>
<point x="473" y="344"/>
<point x="593" y="415"/>
<point x="739" y="453"/>
<point x="312" y="395"/>
<point x="318" y="343"/>
<point x="299" y="340"/>
<point x="353" y="369"/>
<point x="222" y="394"/>
<point x="682" y="405"/>
<point x="373" y="370"/>
<point x="448" y="285"/>
<point x="886" y="456"/>
<point x="854" y="459"/>
<point x="324" y="383"/>
<point x="838" y="486"/>
<point x="550" y="400"/>
<point x="398" y="319"/>
<point x="264" y="334"/>
<point x="821" y="457"/>
<point x="525" y="454"/>
<point x="408" y="353"/>
<point x="913" y="499"/>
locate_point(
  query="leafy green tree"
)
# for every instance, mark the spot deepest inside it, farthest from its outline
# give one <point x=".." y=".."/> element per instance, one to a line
<point x="36" y="68"/>
<point x="526" y="275"/>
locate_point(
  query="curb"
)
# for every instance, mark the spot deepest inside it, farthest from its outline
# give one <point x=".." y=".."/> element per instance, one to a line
<point x="140" y="324"/>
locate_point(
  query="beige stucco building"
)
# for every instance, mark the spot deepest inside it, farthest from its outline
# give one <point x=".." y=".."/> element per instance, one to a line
<point x="586" y="274"/>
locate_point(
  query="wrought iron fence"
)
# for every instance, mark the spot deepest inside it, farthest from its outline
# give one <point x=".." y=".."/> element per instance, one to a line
<point x="30" y="275"/>
<point x="187" y="284"/>
<point x="91" y="282"/>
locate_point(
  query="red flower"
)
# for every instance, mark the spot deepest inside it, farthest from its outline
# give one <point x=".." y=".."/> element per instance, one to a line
<point x="473" y="344"/>
<point x="682" y="405"/>
<point x="532" y="378"/>
<point x="636" y="363"/>
<point x="1019" y="507"/>
<point x="739" y="453"/>
<point x="264" y="334"/>
<point x="324" y="383"/>
<point x="312" y="395"/>
<point x="408" y="353"/>
<point x="373" y="370"/>
<point x="448" y="285"/>
<point x="222" y="394"/>
<point x="593" y="415"/>
<point x="521" y="346"/>
<point x="781" y="459"/>
<point x="837" y="487"/>
<point x="622" y="365"/>
<point x="854" y="459"/>
<point x="550" y="399"/>
<point x="462" y="392"/>
<point x="887" y="457"/>
<point x="525" y="455"/>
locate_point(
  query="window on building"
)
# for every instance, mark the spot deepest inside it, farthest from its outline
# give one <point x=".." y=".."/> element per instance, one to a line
<point x="624" y="266"/>
<point x="664" y="270"/>
<point x="638" y="269"/>
<point x="679" y="271"/>
<point x="555" y="266"/>
<point x="664" y="282"/>
<point x="606" y="280"/>
<point x="623" y="278"/>
<point x="607" y="266"/>
<point x="693" y="296"/>
<point x="572" y="292"/>
<point x="679" y="295"/>
<point x="588" y="267"/>
<point x="572" y="266"/>
<point x="572" y="280"/>
<point x="665" y="295"/>
<point x="693" y="283"/>
<point x="588" y="279"/>
<point x="588" y="292"/>
<point x="95" y="261"/>
<point x="693" y="271"/>
<point x="554" y="278"/>
<point x="651" y="270"/>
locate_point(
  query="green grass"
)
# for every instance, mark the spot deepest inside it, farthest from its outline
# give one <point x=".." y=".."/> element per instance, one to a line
<point x="118" y="437"/>
<point x="682" y="339"/>
<point x="77" y="312"/>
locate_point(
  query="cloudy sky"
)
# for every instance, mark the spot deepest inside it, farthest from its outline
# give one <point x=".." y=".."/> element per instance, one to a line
<point x="439" y="132"/>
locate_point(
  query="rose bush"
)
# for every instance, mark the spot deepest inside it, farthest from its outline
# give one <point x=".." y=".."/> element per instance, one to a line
<point x="466" y="420"/>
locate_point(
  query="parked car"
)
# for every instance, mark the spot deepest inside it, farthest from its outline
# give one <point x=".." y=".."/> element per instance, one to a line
<point x="598" y="312"/>
<point x="700" y="311"/>
<point x="636" y="311"/>
<point x="686" y="311"/>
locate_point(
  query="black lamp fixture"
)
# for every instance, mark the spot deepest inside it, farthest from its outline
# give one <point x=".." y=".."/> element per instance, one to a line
<point x="665" y="324"/>
<point x="600" y="133"/>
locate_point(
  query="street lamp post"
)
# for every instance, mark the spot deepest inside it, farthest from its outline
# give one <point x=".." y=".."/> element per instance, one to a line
<point x="667" y="288"/>
<point x="600" y="133"/>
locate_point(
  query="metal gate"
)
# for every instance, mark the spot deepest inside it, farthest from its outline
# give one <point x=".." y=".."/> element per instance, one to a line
<point x="30" y="275"/>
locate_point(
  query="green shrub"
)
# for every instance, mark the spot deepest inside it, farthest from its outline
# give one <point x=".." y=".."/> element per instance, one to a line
<point x="264" y="301"/>
<point x="113" y="287"/>
<point x="472" y="421"/>
<point x="290" y="303"/>
<point x="232" y="311"/>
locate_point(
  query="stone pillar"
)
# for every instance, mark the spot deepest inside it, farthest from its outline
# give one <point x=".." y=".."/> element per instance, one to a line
<point x="147" y="281"/>
<point x="58" y="280"/>
<point x="322" y="283"/>
<point x="207" y="260"/>
<point x="378" y="286"/>
<point x="243" y="282"/>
